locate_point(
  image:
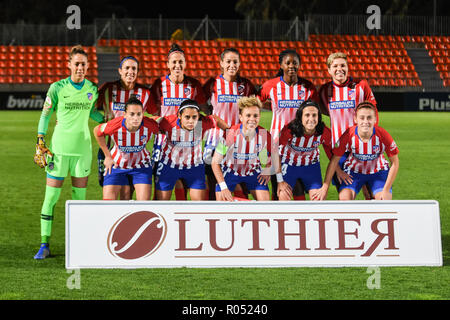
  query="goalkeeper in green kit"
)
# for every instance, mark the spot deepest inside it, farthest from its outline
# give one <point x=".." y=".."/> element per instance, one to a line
<point x="70" y="151"/>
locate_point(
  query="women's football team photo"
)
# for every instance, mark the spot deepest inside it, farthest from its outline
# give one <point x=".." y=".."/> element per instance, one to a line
<point x="205" y="141"/>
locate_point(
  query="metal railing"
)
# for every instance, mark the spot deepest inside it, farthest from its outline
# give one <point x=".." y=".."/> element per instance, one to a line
<point x="297" y="29"/>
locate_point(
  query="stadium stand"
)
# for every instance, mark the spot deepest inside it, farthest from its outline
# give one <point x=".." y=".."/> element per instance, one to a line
<point x="40" y="64"/>
<point x="382" y="60"/>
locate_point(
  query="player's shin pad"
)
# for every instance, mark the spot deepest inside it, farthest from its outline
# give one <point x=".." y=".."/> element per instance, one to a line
<point x="41" y="152"/>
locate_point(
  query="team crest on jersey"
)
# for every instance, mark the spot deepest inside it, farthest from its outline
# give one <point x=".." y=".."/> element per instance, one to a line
<point x="138" y="96"/>
<point x="241" y="89"/>
<point x="316" y="144"/>
<point x="376" y="148"/>
<point x="351" y="94"/>
<point x="301" y="94"/>
<point x="187" y="92"/>
<point x="143" y="137"/>
<point x="89" y="95"/>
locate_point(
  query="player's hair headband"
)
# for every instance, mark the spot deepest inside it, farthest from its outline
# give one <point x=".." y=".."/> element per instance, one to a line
<point x="188" y="106"/>
<point x="365" y="104"/>
<point x="127" y="58"/>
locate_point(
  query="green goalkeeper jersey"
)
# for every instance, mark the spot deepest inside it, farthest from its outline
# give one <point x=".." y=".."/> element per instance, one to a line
<point x="74" y="104"/>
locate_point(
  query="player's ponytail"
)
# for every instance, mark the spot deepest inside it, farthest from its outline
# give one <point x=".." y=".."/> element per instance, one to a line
<point x="133" y="99"/>
<point x="78" y="49"/>
<point x="175" y="48"/>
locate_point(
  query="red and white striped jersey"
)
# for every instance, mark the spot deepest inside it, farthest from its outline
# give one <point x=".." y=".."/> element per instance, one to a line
<point x="285" y="100"/>
<point x="129" y="150"/>
<point x="112" y="98"/>
<point x="366" y="157"/>
<point x="304" y="150"/>
<point x="224" y="95"/>
<point x="242" y="156"/>
<point x="167" y="96"/>
<point x="183" y="148"/>
<point x="340" y="102"/>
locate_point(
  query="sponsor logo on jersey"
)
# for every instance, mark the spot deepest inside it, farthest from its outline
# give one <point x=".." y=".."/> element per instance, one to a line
<point x="346" y="104"/>
<point x="186" y="144"/>
<point x="245" y="156"/>
<point x="365" y="157"/>
<point x="303" y="149"/>
<point x="173" y="102"/>
<point x="118" y="106"/>
<point x="289" y="103"/>
<point x="228" y="98"/>
<point x="131" y="149"/>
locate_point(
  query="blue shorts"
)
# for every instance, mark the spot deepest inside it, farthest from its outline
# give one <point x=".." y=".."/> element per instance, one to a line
<point x="166" y="177"/>
<point x="122" y="177"/>
<point x="232" y="180"/>
<point x="375" y="181"/>
<point x="311" y="175"/>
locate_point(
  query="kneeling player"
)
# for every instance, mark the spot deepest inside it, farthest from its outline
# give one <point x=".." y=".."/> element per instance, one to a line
<point x="299" y="148"/>
<point x="366" y="163"/>
<point x="129" y="156"/>
<point x="240" y="153"/>
<point x="182" y="154"/>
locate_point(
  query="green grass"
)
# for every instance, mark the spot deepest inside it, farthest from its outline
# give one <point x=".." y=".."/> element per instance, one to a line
<point x="424" y="143"/>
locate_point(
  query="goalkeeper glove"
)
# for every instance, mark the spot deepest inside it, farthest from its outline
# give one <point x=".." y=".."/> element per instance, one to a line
<point x="41" y="152"/>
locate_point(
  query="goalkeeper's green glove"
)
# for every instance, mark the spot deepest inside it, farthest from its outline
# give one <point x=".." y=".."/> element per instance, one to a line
<point x="41" y="152"/>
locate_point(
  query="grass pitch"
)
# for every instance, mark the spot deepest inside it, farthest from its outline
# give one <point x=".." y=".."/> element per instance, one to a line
<point x="424" y="143"/>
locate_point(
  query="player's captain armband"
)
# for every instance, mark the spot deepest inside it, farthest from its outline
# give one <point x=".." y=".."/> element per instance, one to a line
<point x="221" y="149"/>
<point x="102" y="128"/>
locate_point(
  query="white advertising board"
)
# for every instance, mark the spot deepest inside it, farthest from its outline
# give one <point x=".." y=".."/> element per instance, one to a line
<point x="166" y="234"/>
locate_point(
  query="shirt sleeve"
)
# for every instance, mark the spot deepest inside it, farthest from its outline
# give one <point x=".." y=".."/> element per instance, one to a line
<point x="50" y="103"/>
<point x="391" y="148"/>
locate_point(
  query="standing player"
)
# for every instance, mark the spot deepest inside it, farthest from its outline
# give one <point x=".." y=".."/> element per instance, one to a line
<point x="73" y="99"/>
<point x="299" y="148"/>
<point x="129" y="158"/>
<point x="339" y="99"/>
<point x="286" y="92"/>
<point x="168" y="92"/>
<point x="224" y="92"/>
<point x="237" y="157"/>
<point x="182" y="153"/>
<point x="112" y="99"/>
<point x="366" y="143"/>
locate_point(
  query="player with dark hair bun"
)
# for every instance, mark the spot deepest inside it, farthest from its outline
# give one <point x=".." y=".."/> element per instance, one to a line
<point x="73" y="100"/>
<point x="168" y="92"/>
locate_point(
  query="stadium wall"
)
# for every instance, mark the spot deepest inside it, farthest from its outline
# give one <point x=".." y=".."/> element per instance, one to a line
<point x="31" y="97"/>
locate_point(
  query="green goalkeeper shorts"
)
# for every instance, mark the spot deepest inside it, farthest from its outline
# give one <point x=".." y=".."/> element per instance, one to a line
<point x="59" y="165"/>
